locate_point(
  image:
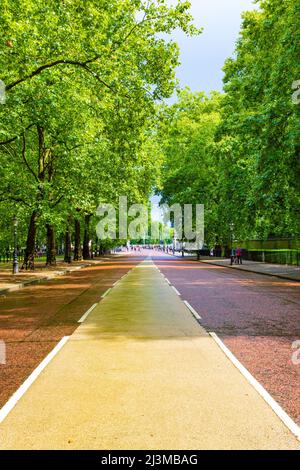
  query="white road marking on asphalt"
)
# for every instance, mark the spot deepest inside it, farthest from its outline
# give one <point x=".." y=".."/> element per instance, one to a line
<point x="192" y="310"/>
<point x="87" y="313"/>
<point x="285" y="418"/>
<point x="119" y="280"/>
<point x="11" y="403"/>
<point x="168" y="281"/>
<point x="105" y="293"/>
<point x="174" y="288"/>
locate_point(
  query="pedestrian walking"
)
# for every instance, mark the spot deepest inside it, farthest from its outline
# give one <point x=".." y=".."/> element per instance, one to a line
<point x="239" y="255"/>
<point x="232" y="256"/>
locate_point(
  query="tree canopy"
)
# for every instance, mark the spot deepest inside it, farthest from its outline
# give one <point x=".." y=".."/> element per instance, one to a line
<point x="82" y="81"/>
<point x="239" y="153"/>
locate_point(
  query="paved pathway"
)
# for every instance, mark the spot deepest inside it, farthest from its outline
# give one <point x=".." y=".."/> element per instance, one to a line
<point x="277" y="270"/>
<point x="141" y="373"/>
<point x="11" y="282"/>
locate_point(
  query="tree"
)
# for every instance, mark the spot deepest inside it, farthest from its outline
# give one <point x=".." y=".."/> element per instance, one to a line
<point x="186" y="134"/>
<point x="81" y="80"/>
<point x="259" y="135"/>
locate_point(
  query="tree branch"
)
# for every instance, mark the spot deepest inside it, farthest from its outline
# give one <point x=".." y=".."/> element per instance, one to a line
<point x="25" y="159"/>
<point x="15" y="199"/>
<point x="76" y="63"/>
<point x="57" y="202"/>
<point x="81" y="64"/>
<point x="9" y="141"/>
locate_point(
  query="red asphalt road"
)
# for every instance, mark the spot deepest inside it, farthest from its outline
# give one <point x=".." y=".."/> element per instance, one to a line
<point x="33" y="320"/>
<point x="257" y="317"/>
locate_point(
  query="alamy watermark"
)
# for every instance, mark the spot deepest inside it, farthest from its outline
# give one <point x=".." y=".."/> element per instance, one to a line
<point x="2" y="92"/>
<point x="182" y="222"/>
<point x="2" y="352"/>
<point x="296" y="94"/>
<point x="296" y="354"/>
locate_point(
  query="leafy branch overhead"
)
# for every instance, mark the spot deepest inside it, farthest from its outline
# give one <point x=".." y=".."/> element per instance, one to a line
<point x="82" y="81"/>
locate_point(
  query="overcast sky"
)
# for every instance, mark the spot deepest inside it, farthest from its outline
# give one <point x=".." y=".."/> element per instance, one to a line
<point x="202" y="57"/>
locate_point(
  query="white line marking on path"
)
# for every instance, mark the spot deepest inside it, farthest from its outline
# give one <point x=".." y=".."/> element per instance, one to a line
<point x="87" y="313"/>
<point x="105" y="293"/>
<point x="11" y="403"/>
<point x="119" y="280"/>
<point x="192" y="310"/>
<point x="285" y="418"/>
<point x="174" y="288"/>
<point x="168" y="281"/>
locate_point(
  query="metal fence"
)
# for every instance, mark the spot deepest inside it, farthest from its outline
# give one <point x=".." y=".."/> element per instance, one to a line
<point x="277" y="257"/>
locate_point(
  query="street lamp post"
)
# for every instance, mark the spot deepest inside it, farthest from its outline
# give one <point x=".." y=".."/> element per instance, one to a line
<point x="15" y="259"/>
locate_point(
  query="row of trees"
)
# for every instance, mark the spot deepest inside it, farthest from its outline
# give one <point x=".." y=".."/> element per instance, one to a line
<point x="82" y="84"/>
<point x="238" y="153"/>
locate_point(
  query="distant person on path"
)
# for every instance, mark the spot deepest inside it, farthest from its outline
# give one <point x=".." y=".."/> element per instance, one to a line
<point x="232" y="256"/>
<point x="239" y="255"/>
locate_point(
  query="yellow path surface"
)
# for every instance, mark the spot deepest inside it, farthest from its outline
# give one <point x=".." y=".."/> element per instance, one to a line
<point x="140" y="373"/>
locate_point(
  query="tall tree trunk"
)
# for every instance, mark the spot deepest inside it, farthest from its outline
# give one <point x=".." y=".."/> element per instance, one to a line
<point x="101" y="249"/>
<point x="67" y="258"/>
<point x="51" y="249"/>
<point x="86" y="239"/>
<point x="77" y="246"/>
<point x="30" y="242"/>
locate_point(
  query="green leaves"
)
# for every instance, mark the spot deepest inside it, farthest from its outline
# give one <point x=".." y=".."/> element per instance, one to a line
<point x="240" y="154"/>
<point x="82" y="80"/>
<point x="187" y="132"/>
<point x="259" y="114"/>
